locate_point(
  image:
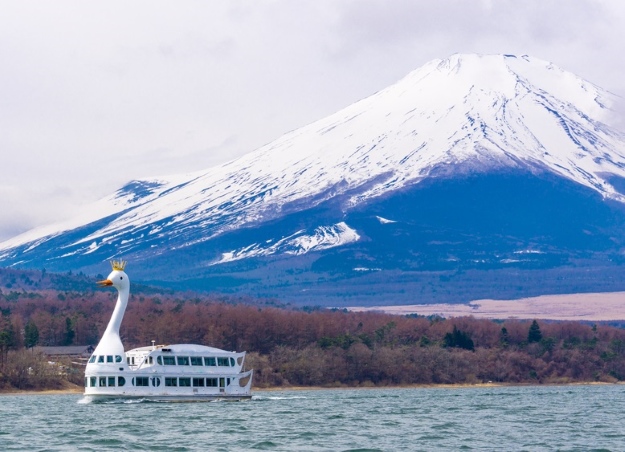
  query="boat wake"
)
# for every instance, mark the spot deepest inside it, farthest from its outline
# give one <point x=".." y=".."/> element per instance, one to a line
<point x="86" y="400"/>
<point x="114" y="401"/>
<point x="261" y="398"/>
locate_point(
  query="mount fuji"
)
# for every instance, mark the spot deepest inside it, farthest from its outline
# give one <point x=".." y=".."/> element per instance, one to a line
<point x="474" y="176"/>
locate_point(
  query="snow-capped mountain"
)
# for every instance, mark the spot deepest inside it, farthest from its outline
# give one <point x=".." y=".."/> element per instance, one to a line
<point x="328" y="186"/>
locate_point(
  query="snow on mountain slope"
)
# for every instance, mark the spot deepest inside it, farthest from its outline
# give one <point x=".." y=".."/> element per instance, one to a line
<point x="324" y="237"/>
<point x="482" y="111"/>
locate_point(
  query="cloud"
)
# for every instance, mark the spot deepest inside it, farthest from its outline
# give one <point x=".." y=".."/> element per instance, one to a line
<point x="42" y="207"/>
<point x="617" y="117"/>
<point x="584" y="36"/>
<point x="96" y="94"/>
<point x="545" y="21"/>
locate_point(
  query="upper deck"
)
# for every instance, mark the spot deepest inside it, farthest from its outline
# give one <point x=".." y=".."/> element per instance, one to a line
<point x="175" y="359"/>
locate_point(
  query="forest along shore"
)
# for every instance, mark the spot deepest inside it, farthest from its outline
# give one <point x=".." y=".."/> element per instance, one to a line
<point x="308" y="347"/>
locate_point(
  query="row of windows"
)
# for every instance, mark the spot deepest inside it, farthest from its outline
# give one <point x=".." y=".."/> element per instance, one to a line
<point x="195" y="361"/>
<point x="131" y="360"/>
<point x="198" y="382"/>
<point x="105" y="359"/>
<point x="104" y="382"/>
<point x="169" y="360"/>
<point x="145" y="381"/>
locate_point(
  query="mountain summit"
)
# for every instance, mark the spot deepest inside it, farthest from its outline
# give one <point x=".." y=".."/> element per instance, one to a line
<point x="467" y="163"/>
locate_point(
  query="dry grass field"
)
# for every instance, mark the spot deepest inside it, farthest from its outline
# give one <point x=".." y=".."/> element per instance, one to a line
<point x="588" y="306"/>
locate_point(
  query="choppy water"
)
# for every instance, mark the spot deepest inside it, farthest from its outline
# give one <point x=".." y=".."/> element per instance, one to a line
<point x="568" y="418"/>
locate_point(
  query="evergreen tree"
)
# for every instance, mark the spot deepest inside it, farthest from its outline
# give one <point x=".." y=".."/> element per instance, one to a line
<point x="31" y="334"/>
<point x="534" y="334"/>
<point x="503" y="338"/>
<point x="458" y="339"/>
<point x="69" y="332"/>
<point x="7" y="340"/>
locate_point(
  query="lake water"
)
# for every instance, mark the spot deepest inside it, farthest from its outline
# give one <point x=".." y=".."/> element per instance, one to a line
<point x="567" y="418"/>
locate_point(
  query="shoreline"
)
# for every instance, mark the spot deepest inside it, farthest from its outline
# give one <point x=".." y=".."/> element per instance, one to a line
<point x="17" y="392"/>
<point x="435" y="386"/>
<point x="79" y="390"/>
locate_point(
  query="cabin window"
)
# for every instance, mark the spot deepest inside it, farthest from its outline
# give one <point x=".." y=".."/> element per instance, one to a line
<point x="212" y="382"/>
<point x="196" y="361"/>
<point x="156" y="381"/>
<point x="111" y="381"/>
<point x="223" y="362"/>
<point x="227" y="382"/>
<point x="92" y="382"/>
<point x="183" y="360"/>
<point x="169" y="360"/>
<point x="121" y="381"/>
<point x="128" y="360"/>
<point x="92" y="359"/>
<point x="210" y="362"/>
<point x="132" y="360"/>
<point x="149" y="360"/>
<point x="171" y="381"/>
<point x="109" y="358"/>
<point x="118" y="359"/>
<point x="231" y="362"/>
<point x="159" y="360"/>
<point x="101" y="358"/>
<point x="102" y="381"/>
<point x="222" y="382"/>
<point x="198" y="382"/>
<point x="141" y="381"/>
<point x="184" y="382"/>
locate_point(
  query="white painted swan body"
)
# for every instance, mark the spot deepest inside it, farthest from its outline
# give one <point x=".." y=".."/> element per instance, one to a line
<point x="181" y="372"/>
<point x="111" y="343"/>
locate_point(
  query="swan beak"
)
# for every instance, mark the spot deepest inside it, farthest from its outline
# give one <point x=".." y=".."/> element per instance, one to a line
<point x="105" y="283"/>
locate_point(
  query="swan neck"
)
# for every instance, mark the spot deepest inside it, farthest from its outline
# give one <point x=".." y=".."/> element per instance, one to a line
<point x="118" y="312"/>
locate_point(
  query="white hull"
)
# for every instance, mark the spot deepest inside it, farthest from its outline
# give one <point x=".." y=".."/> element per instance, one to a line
<point x="171" y="398"/>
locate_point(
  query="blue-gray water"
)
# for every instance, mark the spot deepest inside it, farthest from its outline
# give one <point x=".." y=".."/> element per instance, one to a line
<point x="567" y="418"/>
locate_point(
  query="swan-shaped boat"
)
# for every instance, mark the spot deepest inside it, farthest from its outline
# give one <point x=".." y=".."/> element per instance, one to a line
<point x="180" y="372"/>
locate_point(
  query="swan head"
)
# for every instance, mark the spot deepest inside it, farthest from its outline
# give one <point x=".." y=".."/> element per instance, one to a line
<point x="118" y="279"/>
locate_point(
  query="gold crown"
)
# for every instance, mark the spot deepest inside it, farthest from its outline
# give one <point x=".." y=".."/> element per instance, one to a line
<point x="118" y="265"/>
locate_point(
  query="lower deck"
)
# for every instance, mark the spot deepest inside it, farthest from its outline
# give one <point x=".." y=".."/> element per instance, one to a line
<point x="169" y="386"/>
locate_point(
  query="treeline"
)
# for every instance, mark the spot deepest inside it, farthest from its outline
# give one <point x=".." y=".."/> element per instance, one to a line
<point x="320" y="347"/>
<point x="15" y="281"/>
<point x="20" y="280"/>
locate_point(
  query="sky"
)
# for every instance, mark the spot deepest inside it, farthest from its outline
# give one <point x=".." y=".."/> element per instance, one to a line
<point x="95" y="94"/>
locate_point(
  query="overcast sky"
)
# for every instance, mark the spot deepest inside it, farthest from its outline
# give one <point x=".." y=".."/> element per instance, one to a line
<point x="94" y="94"/>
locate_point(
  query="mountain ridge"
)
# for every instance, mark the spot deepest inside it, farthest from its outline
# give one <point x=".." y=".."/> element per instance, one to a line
<point x="449" y="119"/>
